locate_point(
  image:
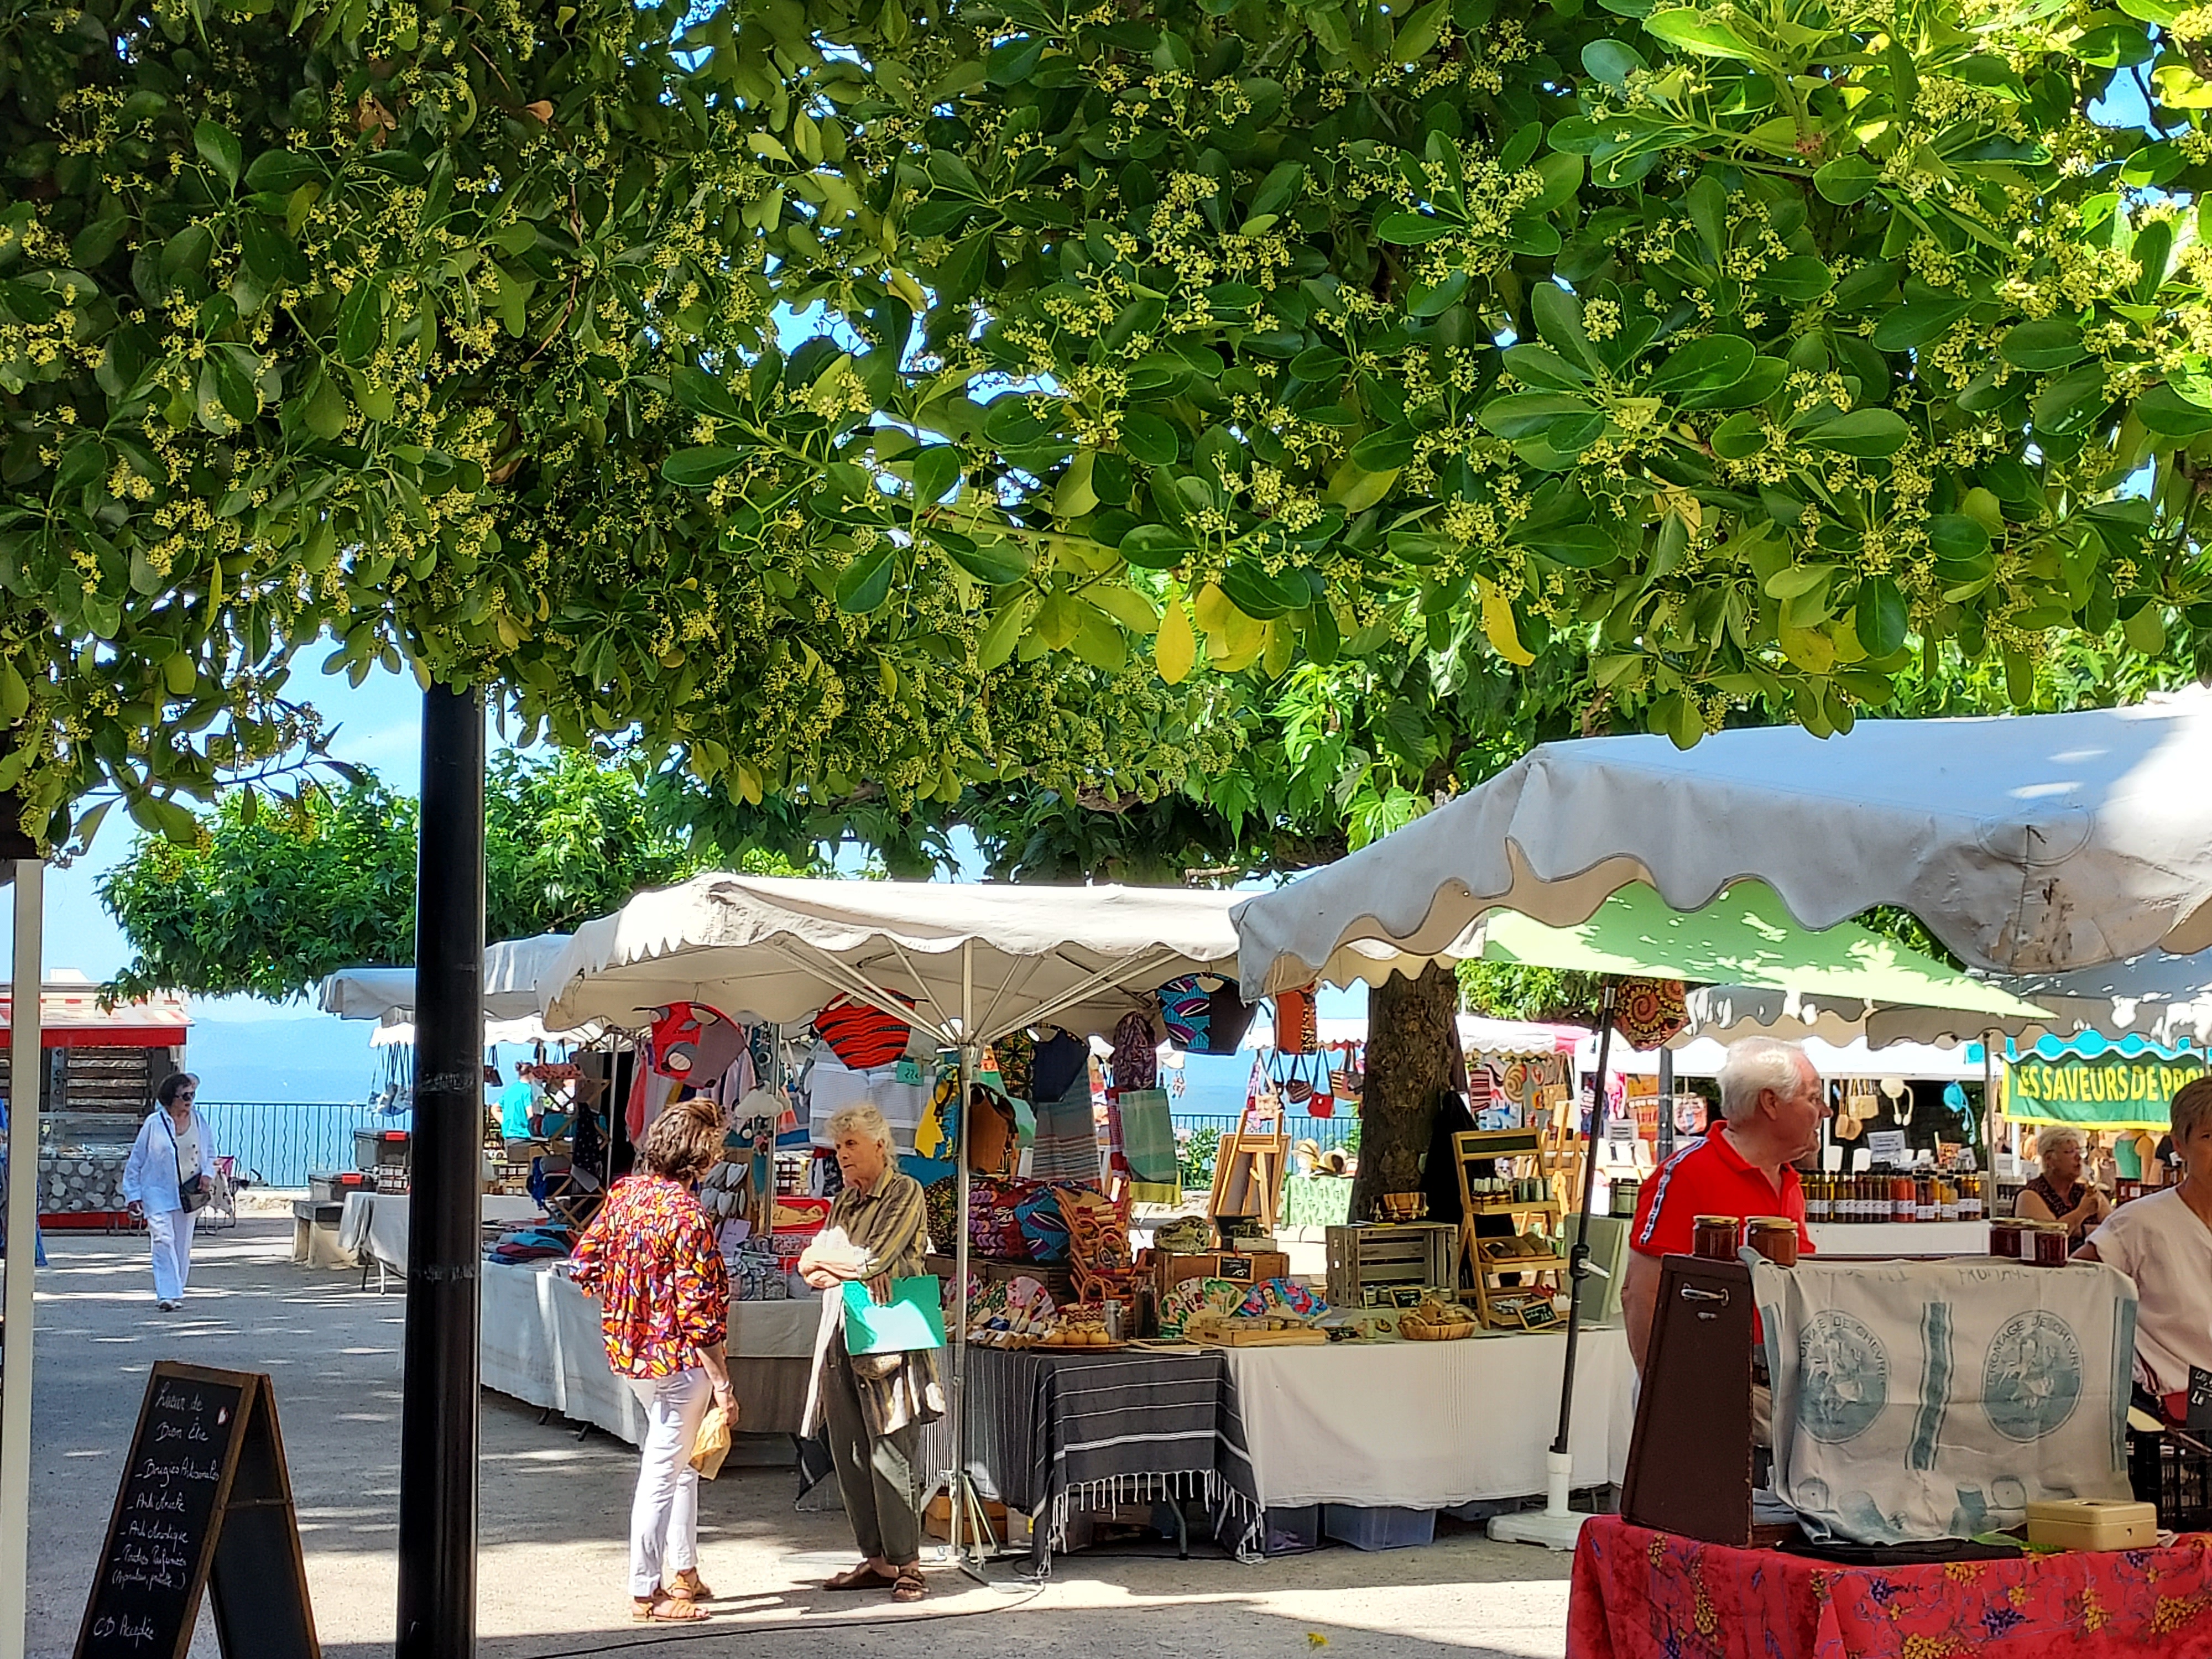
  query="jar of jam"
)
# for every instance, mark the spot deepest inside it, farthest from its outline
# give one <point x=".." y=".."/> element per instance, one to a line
<point x="2005" y="1237"/>
<point x="1716" y="1237"/>
<point x="2050" y="1244"/>
<point x="1775" y="1237"/>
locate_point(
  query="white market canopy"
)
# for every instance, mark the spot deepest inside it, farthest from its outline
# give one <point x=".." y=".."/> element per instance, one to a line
<point x="2028" y="844"/>
<point x="1702" y="1057"/>
<point x="2163" y="998"/>
<point x="512" y="970"/>
<point x="979" y="959"/>
<point x="1726" y="1012"/>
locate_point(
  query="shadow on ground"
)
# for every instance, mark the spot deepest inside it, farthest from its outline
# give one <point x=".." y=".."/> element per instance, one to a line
<point x="555" y="1510"/>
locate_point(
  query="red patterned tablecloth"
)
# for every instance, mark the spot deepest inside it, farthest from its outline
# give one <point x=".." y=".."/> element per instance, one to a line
<point x="1644" y="1594"/>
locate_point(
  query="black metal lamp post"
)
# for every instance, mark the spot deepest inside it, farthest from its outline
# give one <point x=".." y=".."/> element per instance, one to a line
<point x="437" y="1409"/>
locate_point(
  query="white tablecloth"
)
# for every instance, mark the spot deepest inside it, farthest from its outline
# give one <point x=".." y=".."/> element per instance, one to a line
<point x="1854" y="1239"/>
<point x="1430" y="1425"/>
<point x="375" y="1224"/>
<point x="540" y="1343"/>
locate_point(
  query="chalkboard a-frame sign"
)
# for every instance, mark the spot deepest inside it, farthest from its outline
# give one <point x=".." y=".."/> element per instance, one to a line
<point x="206" y="1501"/>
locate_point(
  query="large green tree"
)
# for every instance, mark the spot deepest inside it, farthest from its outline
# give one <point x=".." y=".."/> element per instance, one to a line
<point x="269" y="898"/>
<point x="1749" y="351"/>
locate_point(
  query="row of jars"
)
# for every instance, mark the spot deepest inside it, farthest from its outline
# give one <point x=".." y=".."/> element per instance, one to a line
<point x="1864" y="1198"/>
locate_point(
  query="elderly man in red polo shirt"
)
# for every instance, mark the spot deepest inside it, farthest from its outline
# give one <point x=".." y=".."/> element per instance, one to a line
<point x="1773" y="1104"/>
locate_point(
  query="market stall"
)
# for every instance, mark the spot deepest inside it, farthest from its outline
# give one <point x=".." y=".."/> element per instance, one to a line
<point x="102" y="1066"/>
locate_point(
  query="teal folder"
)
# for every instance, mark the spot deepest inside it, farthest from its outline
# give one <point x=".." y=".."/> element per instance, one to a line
<point x="913" y="1318"/>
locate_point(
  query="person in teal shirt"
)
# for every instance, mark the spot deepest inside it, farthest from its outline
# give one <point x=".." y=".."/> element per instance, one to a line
<point x="517" y="1104"/>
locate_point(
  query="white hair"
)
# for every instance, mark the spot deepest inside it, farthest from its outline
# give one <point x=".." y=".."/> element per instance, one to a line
<point x="2052" y="1136"/>
<point x="862" y="1119"/>
<point x="1753" y="1065"/>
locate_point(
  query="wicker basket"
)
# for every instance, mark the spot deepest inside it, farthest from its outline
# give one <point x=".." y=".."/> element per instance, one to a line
<point x="1437" y="1333"/>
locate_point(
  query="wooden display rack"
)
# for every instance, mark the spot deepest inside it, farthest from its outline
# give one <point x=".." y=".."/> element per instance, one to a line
<point x="1249" y="1164"/>
<point x="1545" y="1272"/>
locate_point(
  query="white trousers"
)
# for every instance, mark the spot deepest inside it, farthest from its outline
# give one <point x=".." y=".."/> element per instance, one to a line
<point x="664" y="1519"/>
<point x="170" y="1233"/>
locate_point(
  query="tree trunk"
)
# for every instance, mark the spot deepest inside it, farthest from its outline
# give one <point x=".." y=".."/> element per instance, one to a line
<point x="1410" y="1037"/>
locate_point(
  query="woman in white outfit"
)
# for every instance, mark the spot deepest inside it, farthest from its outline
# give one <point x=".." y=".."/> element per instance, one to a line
<point x="169" y="1178"/>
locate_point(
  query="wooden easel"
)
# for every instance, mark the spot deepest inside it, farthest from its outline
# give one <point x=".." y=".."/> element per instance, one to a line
<point x="1248" y="1176"/>
<point x="205" y="1502"/>
<point x="1515" y="1151"/>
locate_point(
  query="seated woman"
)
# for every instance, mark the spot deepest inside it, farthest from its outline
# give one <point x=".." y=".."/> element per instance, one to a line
<point x="2164" y="1242"/>
<point x="2059" y="1194"/>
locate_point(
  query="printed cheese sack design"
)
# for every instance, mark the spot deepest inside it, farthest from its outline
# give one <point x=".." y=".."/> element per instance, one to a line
<point x="1916" y="1401"/>
<point x="1845" y="1376"/>
<point x="2032" y="1379"/>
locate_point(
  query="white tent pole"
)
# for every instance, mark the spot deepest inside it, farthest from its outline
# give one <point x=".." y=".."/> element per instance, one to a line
<point x="920" y="985"/>
<point x="971" y="1060"/>
<point x="16" y="1303"/>
<point x="1105" y="979"/>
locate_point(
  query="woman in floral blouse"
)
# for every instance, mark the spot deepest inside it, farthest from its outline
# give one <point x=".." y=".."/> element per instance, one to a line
<point x="650" y="1257"/>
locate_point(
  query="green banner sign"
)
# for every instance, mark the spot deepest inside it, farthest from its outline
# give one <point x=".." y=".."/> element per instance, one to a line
<point x="2110" y="1092"/>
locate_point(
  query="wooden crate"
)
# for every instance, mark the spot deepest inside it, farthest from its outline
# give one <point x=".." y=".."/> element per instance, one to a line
<point x="1382" y="1255"/>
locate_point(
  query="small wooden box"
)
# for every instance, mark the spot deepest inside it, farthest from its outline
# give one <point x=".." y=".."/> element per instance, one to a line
<point x="1414" y="1255"/>
<point x="1239" y="1267"/>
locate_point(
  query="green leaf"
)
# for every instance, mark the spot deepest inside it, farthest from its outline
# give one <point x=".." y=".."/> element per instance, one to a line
<point x="1711" y="364"/>
<point x="1524" y="414"/>
<point x="698" y="469"/>
<point x="1914" y="325"/>
<point x="1686" y="29"/>
<point x="1868" y="434"/>
<point x="14" y="695"/>
<point x="1583" y="546"/>
<point x="1956" y="539"/>
<point x="1612" y="62"/>
<point x="936" y="470"/>
<point x="326" y="409"/>
<point x="1846" y="180"/>
<point x="1148" y="440"/>
<point x="1157" y="546"/>
<point x="1006" y="631"/>
<point x="2044" y="346"/>
<point x="2071" y="402"/>
<point x="1740" y="437"/>
<point x="865" y="583"/>
<point x="1383" y="451"/>
<point x="2167" y="412"/>
<point x="272" y="258"/>
<point x="361" y="322"/>
<point x="1538" y="366"/>
<point x="702" y="393"/>
<point x="1412" y="229"/>
<point x="1797" y="280"/>
<point x="1099" y="641"/>
<point x="220" y="149"/>
<point x="992" y="562"/>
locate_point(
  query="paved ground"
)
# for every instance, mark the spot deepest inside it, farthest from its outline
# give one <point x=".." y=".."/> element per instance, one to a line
<point x="555" y="1510"/>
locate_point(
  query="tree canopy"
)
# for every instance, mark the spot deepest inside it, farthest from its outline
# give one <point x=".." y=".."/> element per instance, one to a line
<point x="799" y="391"/>
<point x="268" y="899"/>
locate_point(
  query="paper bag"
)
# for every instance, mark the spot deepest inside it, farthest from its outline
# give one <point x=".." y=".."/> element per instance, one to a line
<point x="712" y="1443"/>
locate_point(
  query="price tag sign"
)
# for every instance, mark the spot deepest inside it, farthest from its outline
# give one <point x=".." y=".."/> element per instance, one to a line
<point x="909" y="1072"/>
<point x="2200" y="1400"/>
<point x="1887" y="1146"/>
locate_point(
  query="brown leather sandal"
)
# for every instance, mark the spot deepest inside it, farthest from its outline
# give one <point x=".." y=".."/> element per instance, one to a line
<point x="909" y="1586"/>
<point x="862" y="1578"/>
<point x="687" y="1586"/>
<point x="667" y="1610"/>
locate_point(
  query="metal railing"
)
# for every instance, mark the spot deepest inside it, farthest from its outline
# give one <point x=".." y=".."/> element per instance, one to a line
<point x="1324" y="1132"/>
<point x="280" y="1142"/>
